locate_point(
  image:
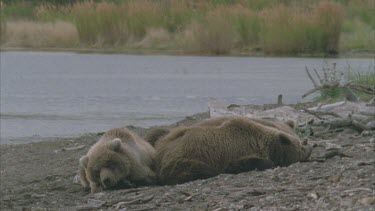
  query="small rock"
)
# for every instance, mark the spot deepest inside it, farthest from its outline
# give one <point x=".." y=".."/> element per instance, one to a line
<point x="330" y="146"/>
<point x="76" y="179"/>
<point x="206" y="189"/>
<point x="368" y="201"/>
<point x="313" y="196"/>
<point x="95" y="203"/>
<point x="335" y="178"/>
<point x="98" y="195"/>
<point x="270" y="198"/>
<point x="275" y="178"/>
<point x="371" y="125"/>
<point x="366" y="133"/>
<point x="347" y="203"/>
<point x="7" y="198"/>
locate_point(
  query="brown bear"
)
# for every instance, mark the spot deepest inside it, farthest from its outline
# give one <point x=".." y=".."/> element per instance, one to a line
<point x="288" y="127"/>
<point x="119" y="156"/>
<point x="226" y="145"/>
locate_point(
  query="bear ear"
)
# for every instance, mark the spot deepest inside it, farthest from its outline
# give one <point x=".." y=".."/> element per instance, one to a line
<point x="291" y="124"/>
<point x="116" y="145"/>
<point x="284" y="139"/>
<point x="83" y="161"/>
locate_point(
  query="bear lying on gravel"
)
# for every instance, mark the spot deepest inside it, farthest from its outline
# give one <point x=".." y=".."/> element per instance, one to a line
<point x="225" y="145"/>
<point x="119" y="156"/>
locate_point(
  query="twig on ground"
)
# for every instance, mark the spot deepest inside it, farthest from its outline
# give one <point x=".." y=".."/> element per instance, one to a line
<point x="143" y="200"/>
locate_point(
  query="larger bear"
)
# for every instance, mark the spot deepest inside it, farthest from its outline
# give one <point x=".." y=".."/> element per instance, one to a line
<point x="226" y="145"/>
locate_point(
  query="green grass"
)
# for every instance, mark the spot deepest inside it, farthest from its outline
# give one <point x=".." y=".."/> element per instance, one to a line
<point x="360" y="78"/>
<point x="366" y="79"/>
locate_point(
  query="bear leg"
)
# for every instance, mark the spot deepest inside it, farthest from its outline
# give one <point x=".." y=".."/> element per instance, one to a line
<point x="82" y="177"/>
<point x="248" y="163"/>
<point x="186" y="170"/>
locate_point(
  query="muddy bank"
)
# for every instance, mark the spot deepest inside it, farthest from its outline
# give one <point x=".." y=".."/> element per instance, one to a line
<point x="340" y="175"/>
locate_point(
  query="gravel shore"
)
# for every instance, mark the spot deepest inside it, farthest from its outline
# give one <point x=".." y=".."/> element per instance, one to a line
<point x="339" y="176"/>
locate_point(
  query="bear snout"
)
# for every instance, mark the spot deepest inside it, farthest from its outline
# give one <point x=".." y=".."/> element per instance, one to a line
<point x="107" y="183"/>
<point x="107" y="178"/>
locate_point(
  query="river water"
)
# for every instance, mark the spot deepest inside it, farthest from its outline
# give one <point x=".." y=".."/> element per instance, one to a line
<point x="47" y="94"/>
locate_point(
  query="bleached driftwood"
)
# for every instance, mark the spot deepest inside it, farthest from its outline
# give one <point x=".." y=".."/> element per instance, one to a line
<point x="280" y="112"/>
<point x="319" y="113"/>
<point x="327" y="107"/>
<point x="323" y="118"/>
<point x="218" y="108"/>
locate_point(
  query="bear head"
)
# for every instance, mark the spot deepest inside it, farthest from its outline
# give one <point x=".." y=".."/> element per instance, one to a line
<point x="286" y="149"/>
<point x="108" y="168"/>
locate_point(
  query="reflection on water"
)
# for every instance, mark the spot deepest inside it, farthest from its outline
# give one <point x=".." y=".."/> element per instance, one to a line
<point x="66" y="94"/>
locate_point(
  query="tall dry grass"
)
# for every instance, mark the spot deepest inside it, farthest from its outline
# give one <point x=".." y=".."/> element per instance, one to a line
<point x="329" y="16"/>
<point x="292" y="30"/>
<point x="288" y="31"/>
<point x="37" y="34"/>
<point x="100" y="23"/>
<point x="211" y="35"/>
<point x="158" y="38"/>
<point x="213" y="26"/>
<point x="2" y="24"/>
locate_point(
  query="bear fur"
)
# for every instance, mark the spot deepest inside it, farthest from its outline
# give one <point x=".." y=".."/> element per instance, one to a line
<point x="226" y="145"/>
<point x="118" y="157"/>
<point x="155" y="134"/>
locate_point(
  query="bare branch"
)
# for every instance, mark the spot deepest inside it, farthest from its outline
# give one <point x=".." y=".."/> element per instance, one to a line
<point x="317" y="75"/>
<point x="311" y="78"/>
<point x="325" y="74"/>
<point x="319" y="113"/>
<point x="371" y="102"/>
<point x="324" y="86"/>
<point x="365" y="89"/>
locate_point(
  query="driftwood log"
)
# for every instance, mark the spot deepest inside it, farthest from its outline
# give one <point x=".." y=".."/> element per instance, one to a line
<point x="334" y="82"/>
<point x="324" y="118"/>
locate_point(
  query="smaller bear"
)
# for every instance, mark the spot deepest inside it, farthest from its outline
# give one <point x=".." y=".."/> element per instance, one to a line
<point x="118" y="157"/>
<point x="156" y="134"/>
<point x="226" y="145"/>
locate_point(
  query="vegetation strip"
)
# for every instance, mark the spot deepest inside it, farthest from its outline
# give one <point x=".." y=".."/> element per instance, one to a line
<point x="194" y="27"/>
